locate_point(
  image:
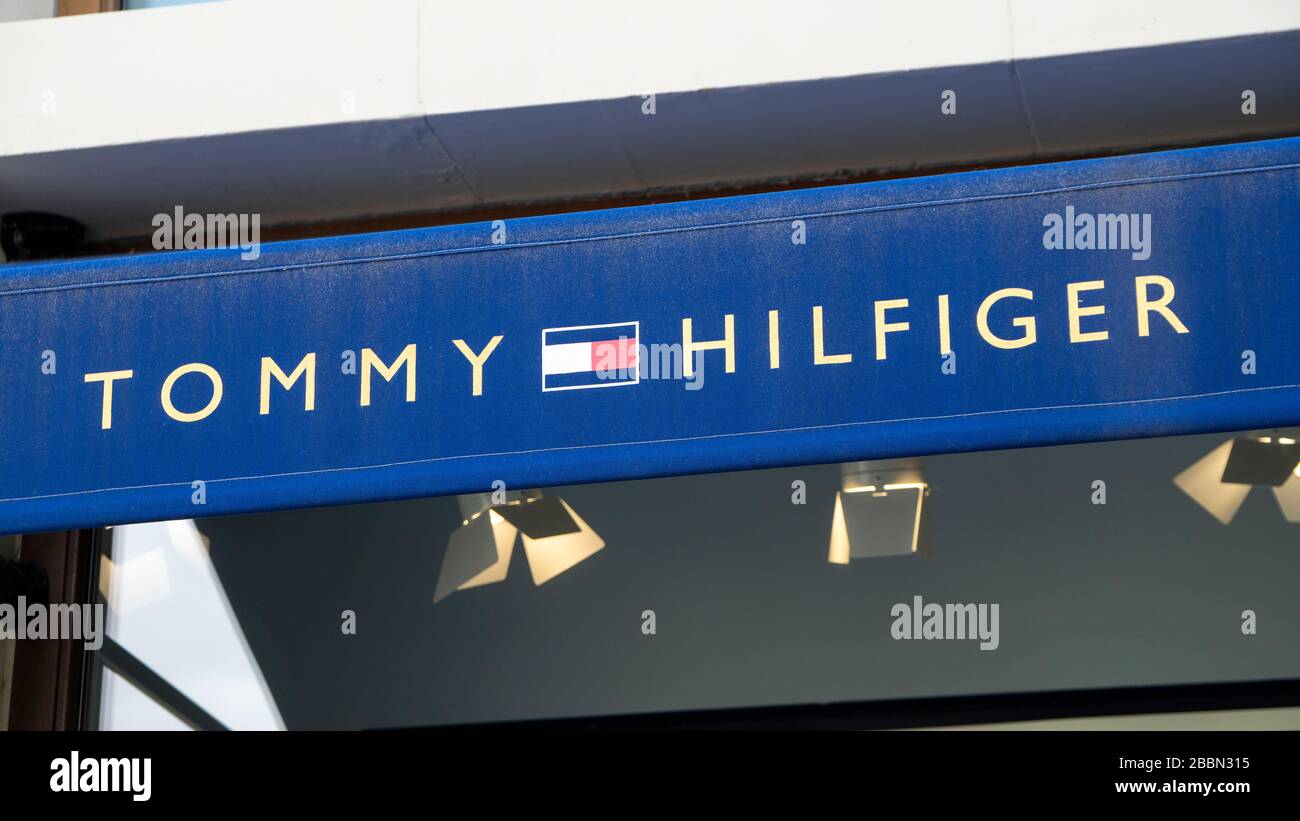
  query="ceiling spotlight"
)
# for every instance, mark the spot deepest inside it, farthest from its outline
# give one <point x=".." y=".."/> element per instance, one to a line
<point x="880" y="511"/>
<point x="1288" y="497"/>
<point x="555" y="538"/>
<point x="1221" y="480"/>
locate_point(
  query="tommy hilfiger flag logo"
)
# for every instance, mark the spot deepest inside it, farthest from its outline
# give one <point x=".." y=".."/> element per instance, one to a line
<point x="590" y="356"/>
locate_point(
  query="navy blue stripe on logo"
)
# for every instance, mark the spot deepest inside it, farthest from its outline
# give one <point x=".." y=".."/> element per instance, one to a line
<point x="588" y="379"/>
<point x="626" y="330"/>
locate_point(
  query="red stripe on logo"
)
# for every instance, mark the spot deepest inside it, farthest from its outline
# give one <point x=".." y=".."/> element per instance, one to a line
<point x="613" y="354"/>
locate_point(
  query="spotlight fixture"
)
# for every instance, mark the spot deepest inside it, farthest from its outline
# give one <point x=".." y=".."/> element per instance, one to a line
<point x="1288" y="497"/>
<point x="880" y="511"/>
<point x="555" y="538"/>
<point x="1221" y="480"/>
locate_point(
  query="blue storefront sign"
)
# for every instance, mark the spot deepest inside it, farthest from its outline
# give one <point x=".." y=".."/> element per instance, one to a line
<point x="1135" y="296"/>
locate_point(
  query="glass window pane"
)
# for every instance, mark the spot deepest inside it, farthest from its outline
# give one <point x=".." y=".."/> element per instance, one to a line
<point x="1084" y="566"/>
<point x="125" y="707"/>
<point x="166" y="606"/>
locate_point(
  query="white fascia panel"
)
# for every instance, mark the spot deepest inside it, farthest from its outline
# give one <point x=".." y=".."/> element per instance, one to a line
<point x="204" y="70"/>
<point x="495" y="54"/>
<point x="255" y="65"/>
<point x="1045" y="29"/>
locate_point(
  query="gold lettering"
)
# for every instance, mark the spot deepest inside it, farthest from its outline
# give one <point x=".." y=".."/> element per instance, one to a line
<point x="883" y="327"/>
<point x="476" y="360"/>
<point x="107" y="377"/>
<point x="370" y="360"/>
<point x="727" y="343"/>
<point x="1077" y="311"/>
<point x="1145" y="306"/>
<point x="206" y="411"/>
<point x="1026" y="322"/>
<point x="307" y="368"/>
<point x="820" y="357"/>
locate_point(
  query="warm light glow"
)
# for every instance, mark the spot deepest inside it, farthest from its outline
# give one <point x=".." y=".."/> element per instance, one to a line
<point x="551" y="556"/>
<point x="494" y="517"/>
<point x="1266" y="439"/>
<point x="839" y="552"/>
<point x="1203" y="481"/>
<point x="479" y="551"/>
<point x="873" y="489"/>
<point x="880" y="534"/>
<point x="504" y="535"/>
<point x="1288" y="498"/>
<point x="1282" y="440"/>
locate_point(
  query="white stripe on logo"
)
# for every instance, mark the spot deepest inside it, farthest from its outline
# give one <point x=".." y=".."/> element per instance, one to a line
<point x="570" y="357"/>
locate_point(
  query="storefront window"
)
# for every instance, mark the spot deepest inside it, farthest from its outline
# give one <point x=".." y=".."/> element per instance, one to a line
<point x="1101" y="565"/>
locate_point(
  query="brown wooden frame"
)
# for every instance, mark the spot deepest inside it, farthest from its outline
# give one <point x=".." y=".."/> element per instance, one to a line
<point x="49" y="676"/>
<point x="67" y="8"/>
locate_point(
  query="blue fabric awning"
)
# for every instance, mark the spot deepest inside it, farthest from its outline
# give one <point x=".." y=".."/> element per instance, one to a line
<point x="1135" y="296"/>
